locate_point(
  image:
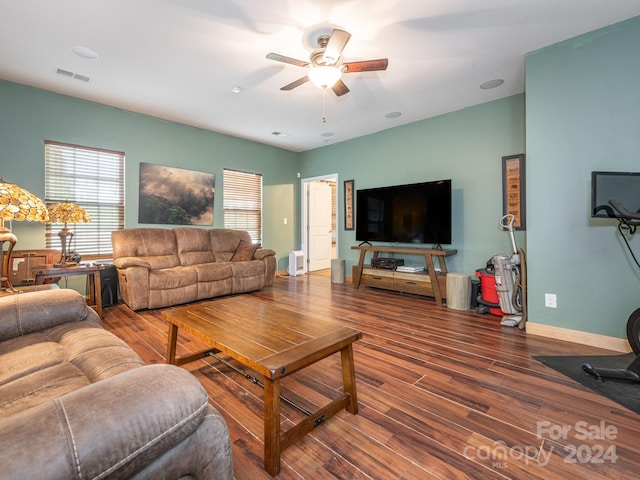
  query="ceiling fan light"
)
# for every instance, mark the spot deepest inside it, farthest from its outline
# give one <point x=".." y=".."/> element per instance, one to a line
<point x="324" y="76"/>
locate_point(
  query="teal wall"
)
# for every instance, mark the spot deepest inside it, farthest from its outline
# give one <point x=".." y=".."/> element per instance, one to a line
<point x="28" y="116"/>
<point x="466" y="146"/>
<point x="583" y="114"/>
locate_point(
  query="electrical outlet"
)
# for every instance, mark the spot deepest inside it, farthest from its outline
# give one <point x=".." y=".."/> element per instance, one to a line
<point x="550" y="300"/>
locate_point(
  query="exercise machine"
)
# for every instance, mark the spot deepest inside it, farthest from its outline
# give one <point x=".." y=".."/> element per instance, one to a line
<point x="627" y="222"/>
<point x="510" y="275"/>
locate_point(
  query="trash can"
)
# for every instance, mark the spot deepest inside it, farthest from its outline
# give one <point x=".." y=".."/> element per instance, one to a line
<point x="489" y="292"/>
<point x="458" y="291"/>
<point x="337" y="270"/>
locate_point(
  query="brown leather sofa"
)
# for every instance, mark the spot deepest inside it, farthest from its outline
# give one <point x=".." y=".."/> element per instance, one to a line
<point x="160" y="267"/>
<point x="77" y="402"/>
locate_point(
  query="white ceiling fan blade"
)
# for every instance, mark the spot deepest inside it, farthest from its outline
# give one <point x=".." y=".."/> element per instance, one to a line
<point x="337" y="42"/>
<point x="295" y="84"/>
<point x="293" y="61"/>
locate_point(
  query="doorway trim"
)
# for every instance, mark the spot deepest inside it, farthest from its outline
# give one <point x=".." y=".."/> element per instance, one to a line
<point x="304" y="209"/>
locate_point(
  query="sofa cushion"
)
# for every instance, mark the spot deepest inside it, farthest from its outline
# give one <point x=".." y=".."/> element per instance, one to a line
<point x="248" y="276"/>
<point x="193" y="246"/>
<point x="253" y="268"/>
<point x="41" y="366"/>
<point x="22" y="356"/>
<point x="43" y="311"/>
<point x="245" y="251"/>
<point x="157" y="246"/>
<point x="40" y="387"/>
<point x="212" y="272"/>
<point x="167" y="297"/>
<point x="214" y="280"/>
<point x="224" y="242"/>
<point x="168" y="278"/>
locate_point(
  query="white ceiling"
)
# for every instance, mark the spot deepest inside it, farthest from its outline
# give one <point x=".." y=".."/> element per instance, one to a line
<point x="180" y="59"/>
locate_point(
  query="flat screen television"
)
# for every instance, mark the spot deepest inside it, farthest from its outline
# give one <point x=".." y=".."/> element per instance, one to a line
<point x="623" y="186"/>
<point x="413" y="213"/>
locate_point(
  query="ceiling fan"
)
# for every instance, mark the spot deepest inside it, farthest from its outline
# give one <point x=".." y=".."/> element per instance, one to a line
<point x="325" y="70"/>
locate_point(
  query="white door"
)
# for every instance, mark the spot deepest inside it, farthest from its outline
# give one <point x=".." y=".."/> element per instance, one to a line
<point x="319" y="228"/>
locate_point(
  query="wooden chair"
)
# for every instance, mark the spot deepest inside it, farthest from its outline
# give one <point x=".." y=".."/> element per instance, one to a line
<point x="24" y="261"/>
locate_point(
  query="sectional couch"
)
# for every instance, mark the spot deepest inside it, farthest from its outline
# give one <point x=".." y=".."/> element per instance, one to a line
<point x="163" y="267"/>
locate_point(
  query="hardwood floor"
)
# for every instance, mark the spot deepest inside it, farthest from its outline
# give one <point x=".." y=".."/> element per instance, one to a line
<point x="442" y="394"/>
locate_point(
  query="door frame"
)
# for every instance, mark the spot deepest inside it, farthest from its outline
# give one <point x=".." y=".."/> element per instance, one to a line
<point x="304" y="234"/>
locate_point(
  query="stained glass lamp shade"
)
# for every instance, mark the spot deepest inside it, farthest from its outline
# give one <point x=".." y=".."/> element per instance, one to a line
<point x="16" y="203"/>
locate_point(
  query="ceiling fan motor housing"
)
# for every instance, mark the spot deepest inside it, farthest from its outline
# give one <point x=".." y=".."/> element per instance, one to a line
<point x="324" y="72"/>
<point x="317" y="58"/>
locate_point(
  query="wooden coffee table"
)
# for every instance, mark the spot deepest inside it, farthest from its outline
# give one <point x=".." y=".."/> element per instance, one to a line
<point x="273" y="342"/>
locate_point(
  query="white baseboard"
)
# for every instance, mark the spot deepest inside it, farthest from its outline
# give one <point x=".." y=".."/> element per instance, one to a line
<point x="576" y="336"/>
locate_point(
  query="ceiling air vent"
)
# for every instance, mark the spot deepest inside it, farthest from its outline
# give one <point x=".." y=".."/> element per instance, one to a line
<point x="77" y="76"/>
<point x="64" y="73"/>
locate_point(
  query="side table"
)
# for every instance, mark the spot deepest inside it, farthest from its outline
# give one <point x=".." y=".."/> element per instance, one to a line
<point x="93" y="274"/>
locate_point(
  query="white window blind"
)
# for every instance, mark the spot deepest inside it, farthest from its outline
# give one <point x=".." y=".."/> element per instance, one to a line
<point x="93" y="179"/>
<point x="242" y="202"/>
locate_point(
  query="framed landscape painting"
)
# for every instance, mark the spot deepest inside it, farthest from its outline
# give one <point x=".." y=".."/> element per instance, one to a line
<point x="175" y="196"/>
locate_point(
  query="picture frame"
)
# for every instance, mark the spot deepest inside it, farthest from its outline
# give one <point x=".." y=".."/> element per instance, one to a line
<point x="349" y="186"/>
<point x="175" y="196"/>
<point x="513" y="189"/>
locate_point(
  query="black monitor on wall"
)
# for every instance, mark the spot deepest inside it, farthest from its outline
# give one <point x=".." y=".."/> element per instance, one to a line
<point x="622" y="186"/>
<point x="412" y="213"/>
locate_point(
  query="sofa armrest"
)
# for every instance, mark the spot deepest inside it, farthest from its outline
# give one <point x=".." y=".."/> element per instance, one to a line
<point x="126" y="262"/>
<point x="133" y="282"/>
<point x="263" y="253"/>
<point x="30" y="312"/>
<point x="268" y="256"/>
<point x="112" y="428"/>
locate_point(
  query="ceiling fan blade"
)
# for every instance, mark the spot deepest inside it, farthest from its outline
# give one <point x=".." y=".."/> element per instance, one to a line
<point x="366" y="65"/>
<point x="295" y="84"/>
<point x="339" y="88"/>
<point x="293" y="61"/>
<point x="337" y="42"/>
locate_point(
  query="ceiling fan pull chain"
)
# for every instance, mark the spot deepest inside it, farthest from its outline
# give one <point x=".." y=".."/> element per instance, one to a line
<point x="324" y="103"/>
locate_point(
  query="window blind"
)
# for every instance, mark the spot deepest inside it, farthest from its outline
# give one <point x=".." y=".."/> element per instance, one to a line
<point x="93" y="179"/>
<point x="242" y="202"/>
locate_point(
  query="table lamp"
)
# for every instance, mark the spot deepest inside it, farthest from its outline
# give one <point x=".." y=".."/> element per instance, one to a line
<point x="16" y="203"/>
<point x="67" y="213"/>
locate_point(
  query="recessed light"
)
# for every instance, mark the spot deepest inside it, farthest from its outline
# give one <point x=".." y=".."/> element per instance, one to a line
<point x="393" y="114"/>
<point x="496" y="82"/>
<point x="236" y="89"/>
<point x="85" y="52"/>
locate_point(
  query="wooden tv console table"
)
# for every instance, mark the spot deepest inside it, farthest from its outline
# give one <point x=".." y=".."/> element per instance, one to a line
<point x="429" y="283"/>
